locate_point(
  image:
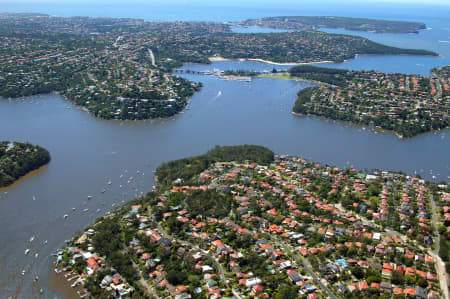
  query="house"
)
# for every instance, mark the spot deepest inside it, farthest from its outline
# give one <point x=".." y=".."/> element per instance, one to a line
<point x="353" y="287"/>
<point x="342" y="263"/>
<point x="377" y="236"/>
<point x="207" y="268"/>
<point x="410" y="292"/>
<point x="294" y="276"/>
<point x="249" y="283"/>
<point x="257" y="290"/>
<point x="164" y="242"/>
<point x="343" y="288"/>
<point x="219" y="245"/>
<point x="420" y="293"/>
<point x="107" y="280"/>
<point x="183" y="296"/>
<point x="211" y="283"/>
<point x="398" y="291"/>
<point x="92" y="264"/>
<point x="362" y="285"/>
<point x="385" y="286"/>
<point x="313" y="296"/>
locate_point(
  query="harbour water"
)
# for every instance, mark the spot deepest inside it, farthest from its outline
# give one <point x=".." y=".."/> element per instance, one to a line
<point x="87" y="152"/>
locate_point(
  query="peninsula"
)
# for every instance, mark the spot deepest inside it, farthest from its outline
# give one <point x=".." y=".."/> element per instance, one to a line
<point x="314" y="23"/>
<point x="405" y="104"/>
<point x="240" y="221"/>
<point x="122" y="68"/>
<point x="17" y="159"/>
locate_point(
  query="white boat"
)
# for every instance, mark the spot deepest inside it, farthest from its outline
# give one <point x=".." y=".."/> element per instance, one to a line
<point x="85" y="210"/>
<point x="34" y="197"/>
<point x="109" y="182"/>
<point x="27" y="251"/>
<point x="45" y="242"/>
<point x="31" y="239"/>
<point x="104" y="190"/>
<point x="89" y="196"/>
<point x="65" y="216"/>
<point x="73" y="209"/>
<point x="36" y="255"/>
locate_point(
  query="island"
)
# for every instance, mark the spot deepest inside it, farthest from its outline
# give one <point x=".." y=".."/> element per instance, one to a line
<point x="407" y="105"/>
<point x="242" y="222"/>
<point x="318" y="22"/>
<point x="18" y="159"/>
<point x="123" y="68"/>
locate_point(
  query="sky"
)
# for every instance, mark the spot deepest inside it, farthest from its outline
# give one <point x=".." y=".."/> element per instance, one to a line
<point x="225" y="2"/>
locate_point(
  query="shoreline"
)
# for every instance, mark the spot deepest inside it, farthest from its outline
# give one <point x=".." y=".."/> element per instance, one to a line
<point x="219" y="58"/>
<point x="374" y="129"/>
<point x="26" y="176"/>
<point x="84" y="109"/>
<point x="291" y="78"/>
<point x="60" y="284"/>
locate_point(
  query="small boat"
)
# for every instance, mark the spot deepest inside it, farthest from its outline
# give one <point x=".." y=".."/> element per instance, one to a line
<point x="36" y="278"/>
<point x="104" y="190"/>
<point x="57" y="271"/>
<point x="109" y="182"/>
<point x="89" y="197"/>
<point x="27" y="251"/>
<point x="34" y="197"/>
<point x="36" y="255"/>
<point x="98" y="210"/>
<point x="23" y="272"/>
<point x="65" y="216"/>
<point x="121" y="176"/>
<point x="45" y="242"/>
<point x="31" y="239"/>
<point x="41" y="291"/>
<point x="73" y="209"/>
<point x="85" y="210"/>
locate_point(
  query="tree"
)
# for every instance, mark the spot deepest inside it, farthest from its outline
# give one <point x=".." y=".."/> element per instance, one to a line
<point x="397" y="278"/>
<point x="285" y="292"/>
<point x="358" y="272"/>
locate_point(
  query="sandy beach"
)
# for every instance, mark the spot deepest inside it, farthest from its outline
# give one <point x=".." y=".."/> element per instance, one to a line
<point x="22" y="178"/>
<point x="218" y="58"/>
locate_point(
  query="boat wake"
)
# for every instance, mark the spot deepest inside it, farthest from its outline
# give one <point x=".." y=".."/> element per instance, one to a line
<point x="219" y="93"/>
